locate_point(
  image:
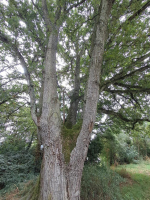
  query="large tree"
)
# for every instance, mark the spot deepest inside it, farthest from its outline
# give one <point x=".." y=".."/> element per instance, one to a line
<point x="31" y="32"/>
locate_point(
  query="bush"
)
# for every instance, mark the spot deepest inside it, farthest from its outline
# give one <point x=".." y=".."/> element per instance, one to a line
<point x="12" y="144"/>
<point x="126" y="154"/>
<point x="94" y="150"/>
<point x="15" y="168"/>
<point x="100" y="183"/>
<point x="16" y="164"/>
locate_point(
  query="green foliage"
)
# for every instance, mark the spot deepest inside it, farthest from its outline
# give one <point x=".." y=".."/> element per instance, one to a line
<point x="16" y="164"/>
<point x="118" y="148"/>
<point x="126" y="151"/>
<point x="109" y="147"/>
<point x="124" y="77"/>
<point x="95" y="148"/>
<point x="15" y="168"/>
<point x="12" y="145"/>
<point x="100" y="183"/>
<point x="141" y="135"/>
<point x="127" y="154"/>
<point x="29" y="188"/>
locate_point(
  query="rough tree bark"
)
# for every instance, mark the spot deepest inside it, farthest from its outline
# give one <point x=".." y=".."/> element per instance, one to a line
<point x="75" y="97"/>
<point x="72" y="113"/>
<point x="79" y="153"/>
<point x="52" y="180"/>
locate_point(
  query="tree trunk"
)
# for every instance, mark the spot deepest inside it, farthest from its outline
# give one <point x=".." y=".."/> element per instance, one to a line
<point x="60" y="180"/>
<point x="79" y="153"/>
<point x="52" y="177"/>
<point x="72" y="113"/>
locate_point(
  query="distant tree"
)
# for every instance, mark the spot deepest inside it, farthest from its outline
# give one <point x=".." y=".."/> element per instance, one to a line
<point x="141" y="138"/>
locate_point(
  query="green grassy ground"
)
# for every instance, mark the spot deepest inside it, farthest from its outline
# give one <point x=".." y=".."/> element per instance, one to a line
<point x="137" y="186"/>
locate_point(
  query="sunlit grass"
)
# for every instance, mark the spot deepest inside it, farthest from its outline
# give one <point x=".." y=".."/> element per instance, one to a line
<point x="139" y="189"/>
<point x="138" y="185"/>
<point x="141" y="168"/>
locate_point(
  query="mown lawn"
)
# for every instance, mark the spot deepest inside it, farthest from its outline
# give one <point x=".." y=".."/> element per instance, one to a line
<point x="137" y="186"/>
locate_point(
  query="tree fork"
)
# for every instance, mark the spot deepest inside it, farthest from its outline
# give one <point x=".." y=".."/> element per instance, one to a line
<point x="60" y="180"/>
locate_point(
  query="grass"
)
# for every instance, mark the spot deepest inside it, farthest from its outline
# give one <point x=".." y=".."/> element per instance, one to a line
<point x="137" y="186"/>
<point x="19" y="191"/>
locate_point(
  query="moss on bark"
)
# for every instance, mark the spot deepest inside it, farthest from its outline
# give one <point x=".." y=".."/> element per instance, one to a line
<point x="69" y="137"/>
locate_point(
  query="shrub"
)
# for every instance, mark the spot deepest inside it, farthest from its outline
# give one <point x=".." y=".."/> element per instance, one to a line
<point x="100" y="183"/>
<point x="126" y="154"/>
<point x="15" y="168"/>
<point x="94" y="150"/>
<point x="16" y="164"/>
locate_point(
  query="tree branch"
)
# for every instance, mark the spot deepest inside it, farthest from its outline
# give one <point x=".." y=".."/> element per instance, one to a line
<point x="138" y="12"/>
<point x="37" y="9"/>
<point x="123" y="74"/>
<point x="119" y="115"/>
<point x="6" y="40"/>
<point x="30" y="85"/>
<point x="47" y="20"/>
<point x="22" y="16"/>
<point x="9" y="114"/>
<point x="58" y="13"/>
<point x="128" y="91"/>
<point x="13" y="96"/>
<point x="129" y="86"/>
<point x="75" y="5"/>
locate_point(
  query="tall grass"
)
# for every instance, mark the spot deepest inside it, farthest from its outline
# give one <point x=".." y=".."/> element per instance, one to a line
<point x="100" y="183"/>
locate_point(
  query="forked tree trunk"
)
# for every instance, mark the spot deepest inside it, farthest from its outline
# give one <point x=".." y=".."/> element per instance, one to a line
<point x="60" y="180"/>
